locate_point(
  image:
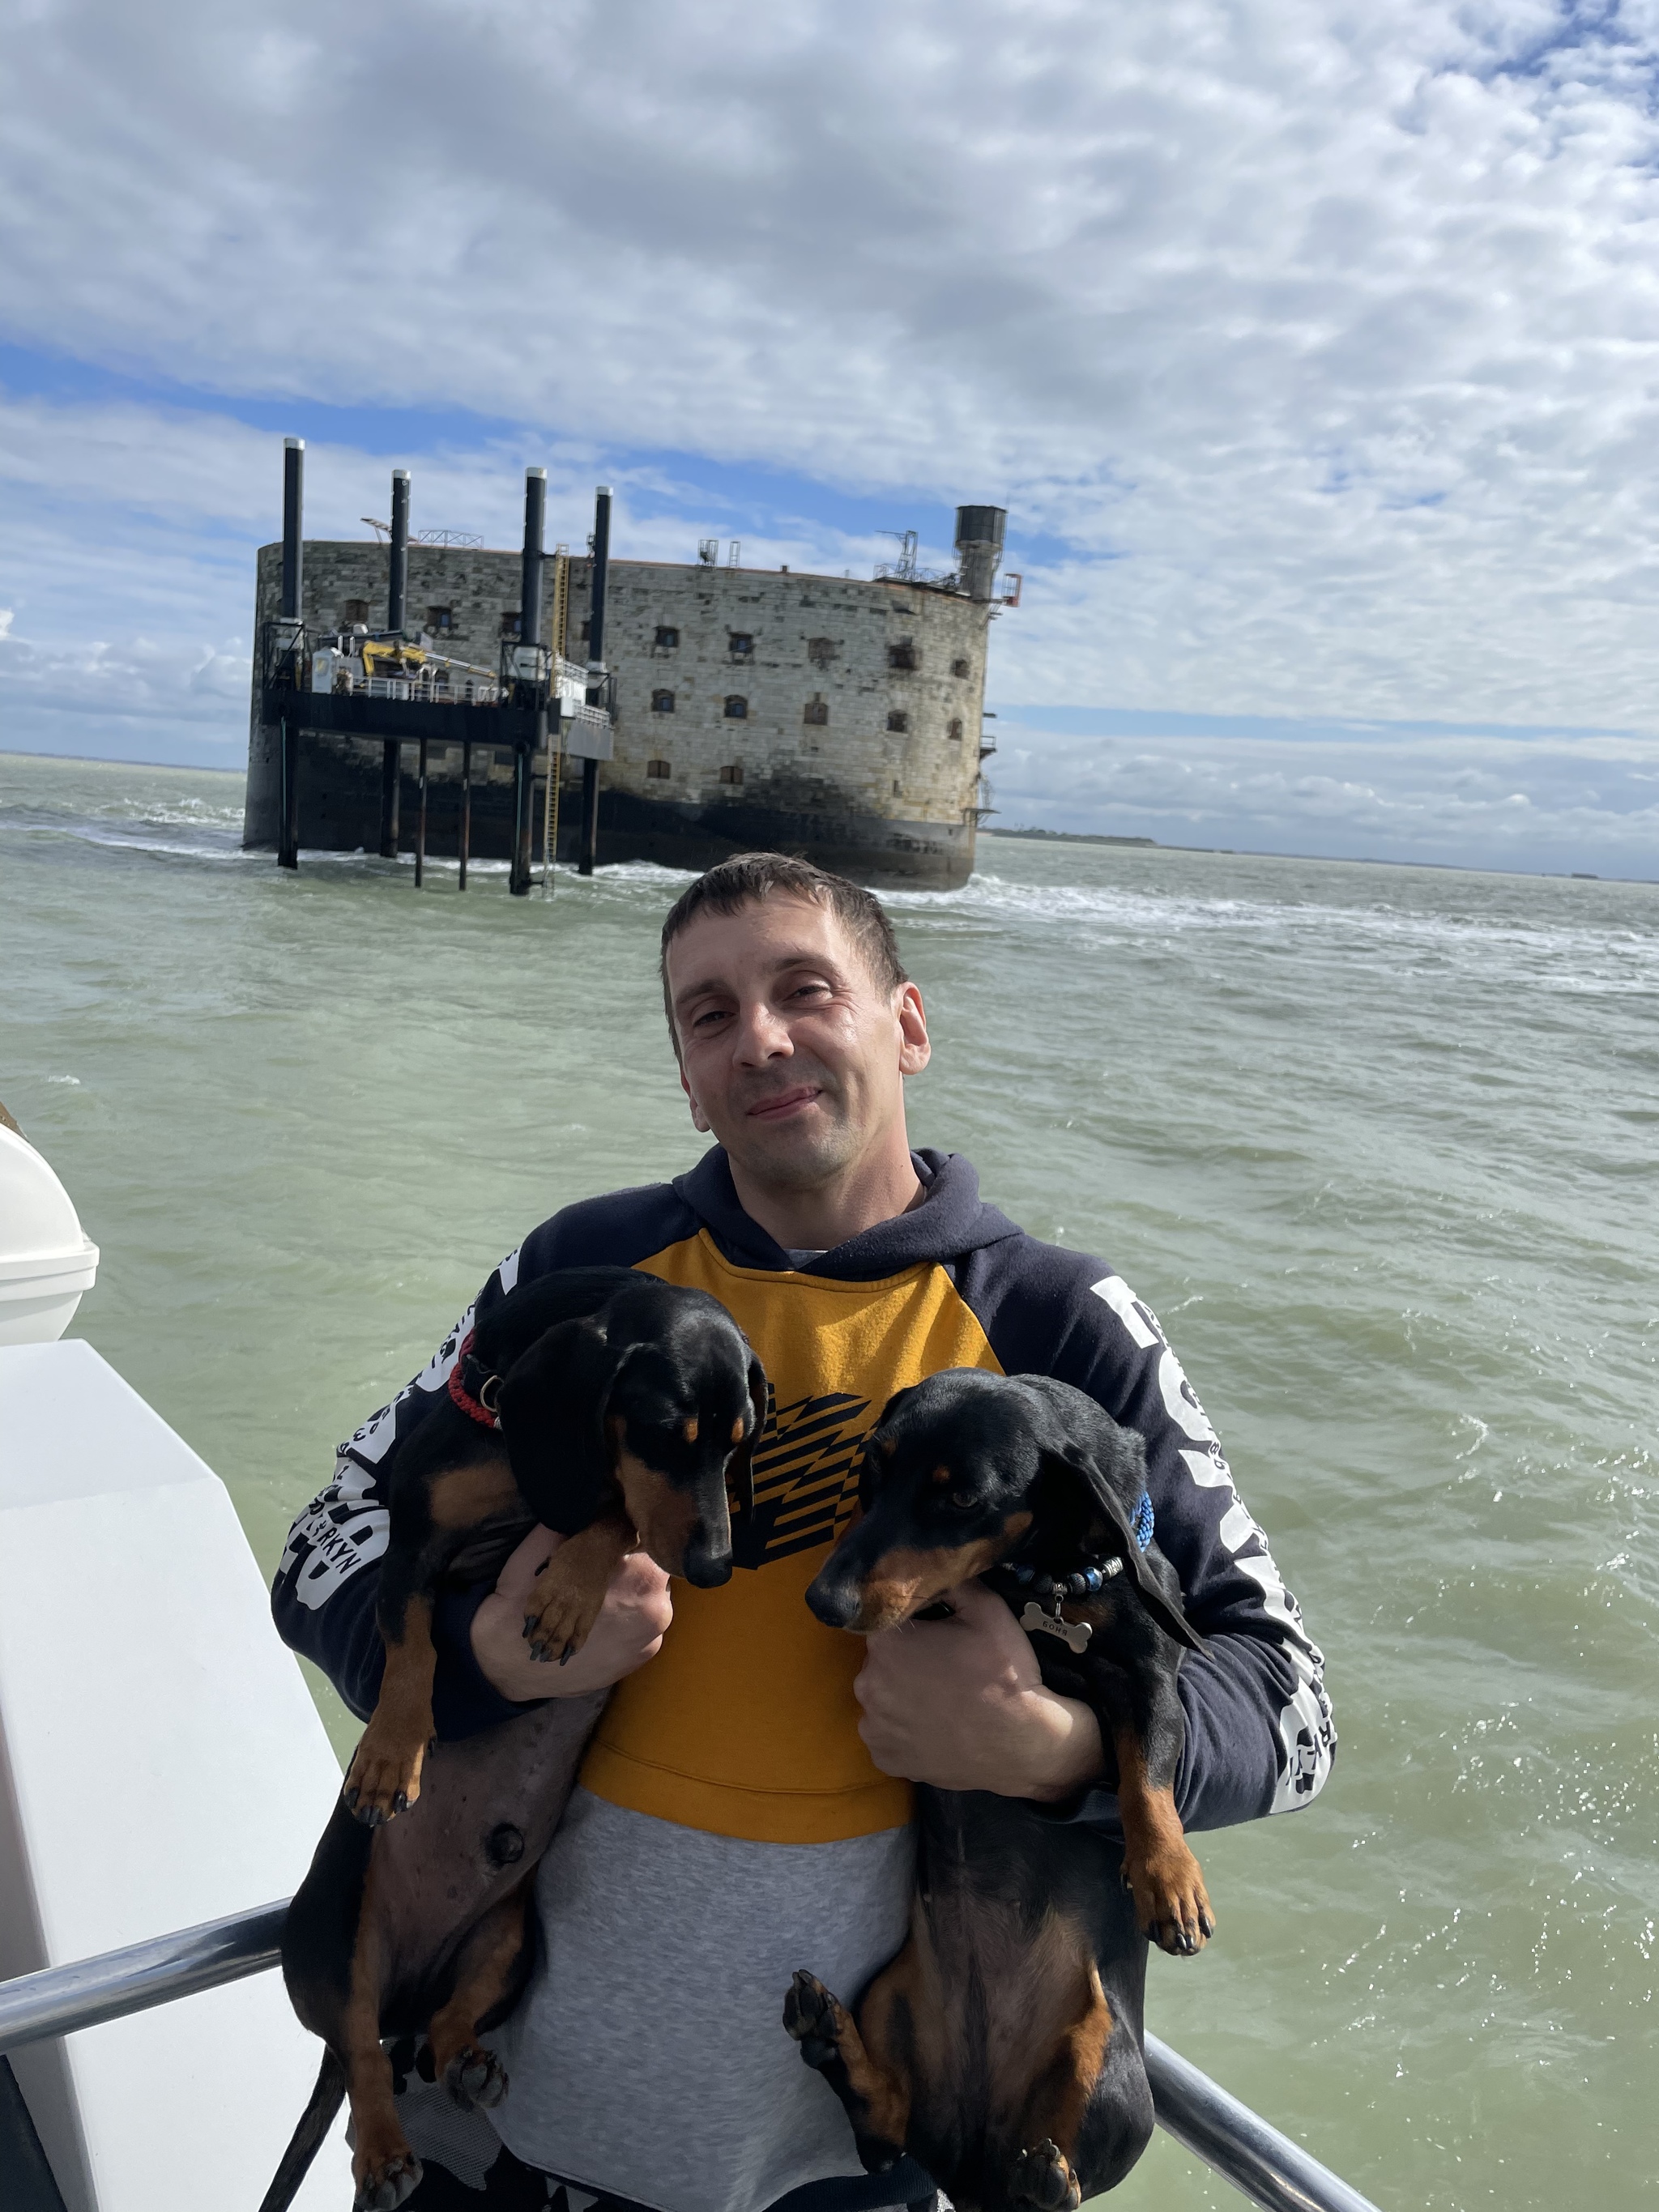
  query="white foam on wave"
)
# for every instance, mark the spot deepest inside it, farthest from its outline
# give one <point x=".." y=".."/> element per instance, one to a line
<point x="1569" y="958"/>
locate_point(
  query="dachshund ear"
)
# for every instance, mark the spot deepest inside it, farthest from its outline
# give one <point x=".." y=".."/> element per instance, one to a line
<point x="875" y="1457"/>
<point x="740" y="1468"/>
<point x="1081" y="1439"/>
<point x="553" y="1404"/>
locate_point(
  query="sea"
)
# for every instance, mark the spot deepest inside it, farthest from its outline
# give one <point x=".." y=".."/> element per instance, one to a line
<point x="1377" y="1145"/>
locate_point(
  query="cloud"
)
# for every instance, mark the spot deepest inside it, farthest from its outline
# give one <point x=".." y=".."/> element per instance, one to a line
<point x="1549" y="801"/>
<point x="1313" y="349"/>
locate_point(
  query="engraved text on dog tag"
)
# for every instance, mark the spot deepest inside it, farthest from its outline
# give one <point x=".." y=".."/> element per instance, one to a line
<point x="1075" y="1633"/>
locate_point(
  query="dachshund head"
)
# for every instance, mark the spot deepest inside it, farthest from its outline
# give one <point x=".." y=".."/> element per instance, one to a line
<point x="964" y="1468"/>
<point x="655" y="1394"/>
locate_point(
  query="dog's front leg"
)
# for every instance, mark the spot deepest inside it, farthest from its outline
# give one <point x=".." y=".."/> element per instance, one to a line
<point x="384" y="1775"/>
<point x="1141" y="1708"/>
<point x="565" y="1600"/>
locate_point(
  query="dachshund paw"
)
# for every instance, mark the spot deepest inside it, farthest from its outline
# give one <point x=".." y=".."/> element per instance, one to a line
<point x="1171" y="1904"/>
<point x="1043" y="2178"/>
<point x="384" y="1778"/>
<point x="476" y="2078"/>
<point x="814" y="2019"/>
<point x="560" y="1614"/>
<point x="387" y="2182"/>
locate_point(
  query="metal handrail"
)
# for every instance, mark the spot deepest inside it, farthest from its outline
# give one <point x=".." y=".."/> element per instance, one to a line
<point x="1235" y="2143"/>
<point x="59" y="1999"/>
<point x="1239" y="2144"/>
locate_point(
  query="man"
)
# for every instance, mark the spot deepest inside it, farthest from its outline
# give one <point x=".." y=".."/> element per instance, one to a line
<point x="744" y="1806"/>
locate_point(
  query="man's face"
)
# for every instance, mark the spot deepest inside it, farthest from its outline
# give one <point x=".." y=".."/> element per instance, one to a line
<point x="790" y="1052"/>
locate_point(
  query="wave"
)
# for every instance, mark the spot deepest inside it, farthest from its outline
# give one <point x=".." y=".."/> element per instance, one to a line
<point x="1584" y="958"/>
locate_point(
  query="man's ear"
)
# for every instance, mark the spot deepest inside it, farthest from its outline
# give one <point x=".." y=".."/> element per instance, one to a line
<point x="553" y="1403"/>
<point x="740" y="1467"/>
<point x="915" y="1050"/>
<point x="1082" y="1442"/>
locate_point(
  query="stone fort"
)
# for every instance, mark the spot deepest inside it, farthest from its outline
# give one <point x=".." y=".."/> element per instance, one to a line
<point x="829" y="716"/>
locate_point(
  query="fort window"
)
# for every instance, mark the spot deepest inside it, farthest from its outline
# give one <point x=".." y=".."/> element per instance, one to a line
<point x="898" y="719"/>
<point x="511" y="621"/>
<point x="353" y="611"/>
<point x="816" y="712"/>
<point x="586" y="628"/>
<point x="667" y="635"/>
<point x="736" y="710"/>
<point x="820" y="651"/>
<point x="902" y="655"/>
<point x="739" y="644"/>
<point x="733" y="773"/>
<point x="440" y="619"/>
<point x="896" y="787"/>
<point x="659" y="769"/>
<point x="956" y="729"/>
<point x="662" y="702"/>
<point x="959" y="667"/>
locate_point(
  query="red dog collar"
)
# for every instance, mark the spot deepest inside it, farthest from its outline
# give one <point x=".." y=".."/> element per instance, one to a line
<point x="475" y="1402"/>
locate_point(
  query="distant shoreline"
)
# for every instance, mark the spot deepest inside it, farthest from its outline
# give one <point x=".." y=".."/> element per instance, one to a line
<point x="1333" y="860"/>
<point x="1032" y="834"/>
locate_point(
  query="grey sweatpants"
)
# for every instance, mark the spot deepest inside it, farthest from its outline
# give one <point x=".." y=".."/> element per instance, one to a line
<point x="648" y="2058"/>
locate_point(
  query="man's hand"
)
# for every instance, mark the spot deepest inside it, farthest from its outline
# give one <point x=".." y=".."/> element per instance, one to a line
<point x="632" y="1621"/>
<point x="960" y="1703"/>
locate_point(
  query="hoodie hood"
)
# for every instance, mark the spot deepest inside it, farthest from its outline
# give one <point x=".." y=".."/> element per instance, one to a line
<point x="953" y="1219"/>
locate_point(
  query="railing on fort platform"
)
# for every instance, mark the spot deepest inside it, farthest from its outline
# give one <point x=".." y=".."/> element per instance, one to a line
<point x="1245" y="2150"/>
<point x="386" y="690"/>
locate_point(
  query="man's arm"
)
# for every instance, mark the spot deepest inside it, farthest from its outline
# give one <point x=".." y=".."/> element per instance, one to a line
<point x="1260" y="1736"/>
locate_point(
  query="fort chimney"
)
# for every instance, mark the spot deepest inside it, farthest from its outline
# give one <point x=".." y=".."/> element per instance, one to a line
<point x="294" y="486"/>
<point x="396" y="598"/>
<point x="979" y="546"/>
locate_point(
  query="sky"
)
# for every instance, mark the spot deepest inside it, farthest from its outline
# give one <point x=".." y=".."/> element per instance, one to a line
<point x="1312" y="348"/>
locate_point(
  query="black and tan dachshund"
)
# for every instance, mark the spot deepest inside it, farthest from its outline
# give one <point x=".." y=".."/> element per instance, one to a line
<point x="1002" y="2047"/>
<point x="623" y="1413"/>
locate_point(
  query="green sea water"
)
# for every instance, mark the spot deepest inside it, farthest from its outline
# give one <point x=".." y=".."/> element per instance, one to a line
<point x="1378" y="1146"/>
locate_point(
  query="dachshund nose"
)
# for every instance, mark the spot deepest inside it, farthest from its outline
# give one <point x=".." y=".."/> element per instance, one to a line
<point x="835" y="1600"/>
<point x="706" y="1568"/>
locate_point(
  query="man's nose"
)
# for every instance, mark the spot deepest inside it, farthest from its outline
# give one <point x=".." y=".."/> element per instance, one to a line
<point x="763" y="1034"/>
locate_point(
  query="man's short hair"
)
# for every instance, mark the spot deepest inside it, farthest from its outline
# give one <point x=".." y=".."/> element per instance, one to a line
<point x="748" y="878"/>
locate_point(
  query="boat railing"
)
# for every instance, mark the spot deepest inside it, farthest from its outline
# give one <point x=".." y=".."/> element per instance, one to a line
<point x="1235" y="2142"/>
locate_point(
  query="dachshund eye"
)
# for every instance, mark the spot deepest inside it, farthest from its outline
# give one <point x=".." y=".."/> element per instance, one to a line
<point x="964" y="1500"/>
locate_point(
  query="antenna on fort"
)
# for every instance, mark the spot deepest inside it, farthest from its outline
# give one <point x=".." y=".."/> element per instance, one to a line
<point x="708" y="552"/>
<point x="734" y="553"/>
<point x="382" y="530"/>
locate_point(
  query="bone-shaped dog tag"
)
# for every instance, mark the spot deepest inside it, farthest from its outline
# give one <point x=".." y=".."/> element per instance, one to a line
<point x="1075" y="1633"/>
